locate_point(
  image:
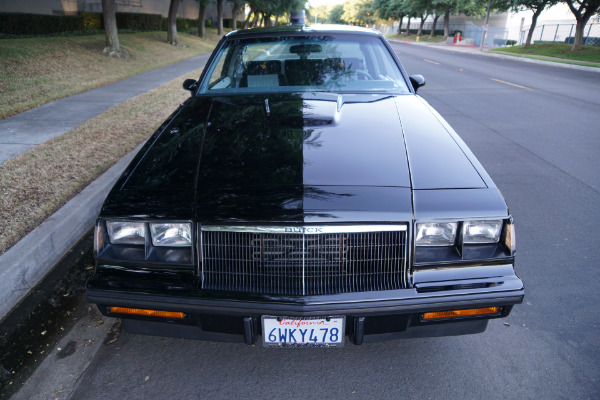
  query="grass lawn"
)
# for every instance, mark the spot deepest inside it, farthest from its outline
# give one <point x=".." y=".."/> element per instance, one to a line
<point x="37" y="183"/>
<point x="415" y="38"/>
<point x="35" y="71"/>
<point x="588" y="54"/>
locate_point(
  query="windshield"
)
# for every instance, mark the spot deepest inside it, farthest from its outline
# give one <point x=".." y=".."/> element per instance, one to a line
<point x="340" y="63"/>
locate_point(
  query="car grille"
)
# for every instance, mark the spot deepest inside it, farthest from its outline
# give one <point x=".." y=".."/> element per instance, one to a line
<point x="303" y="260"/>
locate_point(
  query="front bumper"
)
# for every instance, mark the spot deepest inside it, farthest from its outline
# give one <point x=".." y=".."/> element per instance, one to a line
<point x="370" y="316"/>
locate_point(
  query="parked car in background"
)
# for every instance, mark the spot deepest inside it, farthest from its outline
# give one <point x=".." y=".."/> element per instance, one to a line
<point x="305" y="195"/>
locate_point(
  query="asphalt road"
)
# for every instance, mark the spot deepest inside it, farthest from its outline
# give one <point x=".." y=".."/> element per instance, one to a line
<point x="536" y="130"/>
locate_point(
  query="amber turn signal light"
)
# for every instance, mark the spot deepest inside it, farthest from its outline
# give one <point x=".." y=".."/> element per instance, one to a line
<point x="461" y="313"/>
<point x="147" y="313"/>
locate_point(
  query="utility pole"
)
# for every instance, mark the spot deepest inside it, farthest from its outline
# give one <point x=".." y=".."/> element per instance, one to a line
<point x="485" y="26"/>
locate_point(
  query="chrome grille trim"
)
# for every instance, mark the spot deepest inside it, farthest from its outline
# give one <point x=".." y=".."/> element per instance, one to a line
<point x="271" y="260"/>
<point x="307" y="230"/>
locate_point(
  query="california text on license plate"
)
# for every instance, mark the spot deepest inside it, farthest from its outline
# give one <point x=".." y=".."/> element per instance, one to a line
<point x="303" y="331"/>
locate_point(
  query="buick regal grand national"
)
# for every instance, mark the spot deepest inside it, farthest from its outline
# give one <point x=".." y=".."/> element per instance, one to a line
<point x="305" y="195"/>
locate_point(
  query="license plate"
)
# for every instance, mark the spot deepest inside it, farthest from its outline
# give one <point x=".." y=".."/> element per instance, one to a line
<point x="303" y="332"/>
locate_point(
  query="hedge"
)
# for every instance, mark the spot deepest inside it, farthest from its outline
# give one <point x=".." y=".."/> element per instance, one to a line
<point x="36" y="24"/>
<point x="139" y="22"/>
<point x="183" y="24"/>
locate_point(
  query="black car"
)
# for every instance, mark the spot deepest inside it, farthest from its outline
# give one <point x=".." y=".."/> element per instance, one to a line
<point x="305" y="195"/>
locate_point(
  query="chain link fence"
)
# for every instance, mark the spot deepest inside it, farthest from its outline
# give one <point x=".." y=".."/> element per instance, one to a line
<point x="469" y="32"/>
<point x="562" y="33"/>
<point x="496" y="37"/>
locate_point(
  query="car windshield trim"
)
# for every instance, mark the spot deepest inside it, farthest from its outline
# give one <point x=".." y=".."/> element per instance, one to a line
<point x="334" y="63"/>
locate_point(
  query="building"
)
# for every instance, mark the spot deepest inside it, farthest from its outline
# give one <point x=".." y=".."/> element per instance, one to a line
<point x="187" y="8"/>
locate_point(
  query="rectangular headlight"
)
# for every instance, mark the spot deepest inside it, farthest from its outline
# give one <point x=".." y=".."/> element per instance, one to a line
<point x="172" y="235"/>
<point x="126" y="232"/>
<point x="475" y="232"/>
<point x="436" y="233"/>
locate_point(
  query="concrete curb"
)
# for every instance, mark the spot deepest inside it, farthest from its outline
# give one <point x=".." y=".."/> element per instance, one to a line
<point x="475" y="51"/>
<point x="25" y="264"/>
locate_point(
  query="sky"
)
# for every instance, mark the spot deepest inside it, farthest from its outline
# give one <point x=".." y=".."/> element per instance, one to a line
<point x="318" y="3"/>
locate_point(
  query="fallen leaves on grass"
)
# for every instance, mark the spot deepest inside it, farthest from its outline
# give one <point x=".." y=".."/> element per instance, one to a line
<point x="36" y="184"/>
<point x="34" y="71"/>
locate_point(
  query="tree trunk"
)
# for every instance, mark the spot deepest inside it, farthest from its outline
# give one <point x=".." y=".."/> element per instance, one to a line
<point x="110" y="28"/>
<point x="407" y="32"/>
<point x="536" y="14"/>
<point x="400" y="25"/>
<point x="578" y="41"/>
<point x="234" y="12"/>
<point x="172" y="23"/>
<point x="247" y="20"/>
<point x="202" y="21"/>
<point x="447" y="23"/>
<point x="420" y="31"/>
<point x="582" y="15"/>
<point x="435" y="20"/>
<point x="220" y="17"/>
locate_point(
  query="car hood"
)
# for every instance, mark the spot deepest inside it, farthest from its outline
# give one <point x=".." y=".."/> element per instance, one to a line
<point x="302" y="151"/>
<point x="309" y="139"/>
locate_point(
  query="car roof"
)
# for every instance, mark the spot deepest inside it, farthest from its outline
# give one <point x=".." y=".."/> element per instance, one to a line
<point x="276" y="30"/>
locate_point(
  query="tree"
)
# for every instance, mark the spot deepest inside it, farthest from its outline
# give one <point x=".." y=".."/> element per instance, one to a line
<point x="113" y="49"/>
<point x="236" y="5"/>
<point x="220" y="17"/>
<point x="265" y="9"/>
<point x="583" y="11"/>
<point x="446" y="7"/>
<point x="418" y="9"/>
<point x="467" y="7"/>
<point x="335" y="16"/>
<point x="436" y="16"/>
<point x="358" y="12"/>
<point x="391" y="9"/>
<point x="172" y="23"/>
<point x="202" y="17"/>
<point x="537" y="6"/>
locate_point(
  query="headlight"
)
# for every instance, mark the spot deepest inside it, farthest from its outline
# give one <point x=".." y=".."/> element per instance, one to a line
<point x="173" y="235"/>
<point x="126" y="232"/>
<point x="436" y="233"/>
<point x="475" y="232"/>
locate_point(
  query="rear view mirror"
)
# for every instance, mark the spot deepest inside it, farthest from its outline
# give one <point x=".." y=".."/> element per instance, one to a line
<point x="190" y="84"/>
<point x="306" y="48"/>
<point x="417" y="81"/>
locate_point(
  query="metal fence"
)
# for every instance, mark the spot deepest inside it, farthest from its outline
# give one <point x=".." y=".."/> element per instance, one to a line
<point x="414" y="26"/>
<point x="471" y="33"/>
<point x="562" y="33"/>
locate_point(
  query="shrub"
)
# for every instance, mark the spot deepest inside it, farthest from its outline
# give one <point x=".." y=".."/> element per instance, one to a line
<point x="35" y="24"/>
<point x="92" y="20"/>
<point x="139" y="22"/>
<point x="183" y="24"/>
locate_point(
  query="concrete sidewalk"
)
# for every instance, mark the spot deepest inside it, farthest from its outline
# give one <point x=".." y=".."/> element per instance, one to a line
<point x="24" y="131"/>
<point x="25" y="264"/>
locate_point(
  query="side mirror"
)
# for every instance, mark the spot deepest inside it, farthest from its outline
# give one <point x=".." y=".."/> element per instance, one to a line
<point x="190" y="84"/>
<point x="417" y="81"/>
